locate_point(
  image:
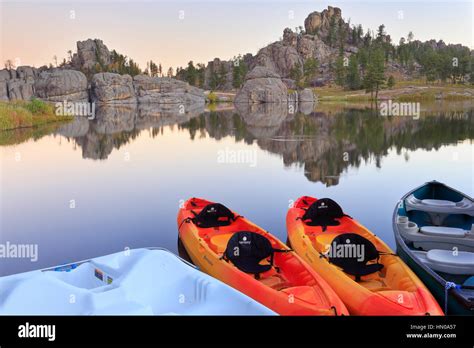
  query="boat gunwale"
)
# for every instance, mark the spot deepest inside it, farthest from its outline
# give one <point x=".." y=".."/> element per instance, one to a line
<point x="78" y="263"/>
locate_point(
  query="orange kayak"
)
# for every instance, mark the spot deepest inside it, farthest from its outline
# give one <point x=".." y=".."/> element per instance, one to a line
<point x="232" y="249"/>
<point x="359" y="266"/>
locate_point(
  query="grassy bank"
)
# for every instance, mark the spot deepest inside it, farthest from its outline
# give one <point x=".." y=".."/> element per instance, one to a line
<point x="24" y="114"/>
<point x="403" y="91"/>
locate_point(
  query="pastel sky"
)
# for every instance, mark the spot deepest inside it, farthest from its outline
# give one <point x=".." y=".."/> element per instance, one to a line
<point x="174" y="32"/>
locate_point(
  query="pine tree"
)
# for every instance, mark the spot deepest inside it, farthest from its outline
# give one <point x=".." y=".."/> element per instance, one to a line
<point x="375" y="78"/>
<point x="310" y="68"/>
<point x="238" y="72"/>
<point x="340" y="71"/>
<point x="297" y="75"/>
<point x="391" y="82"/>
<point x="353" y="76"/>
<point x="191" y="74"/>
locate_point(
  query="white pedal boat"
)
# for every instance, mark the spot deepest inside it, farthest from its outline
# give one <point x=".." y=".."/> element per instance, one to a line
<point x="133" y="282"/>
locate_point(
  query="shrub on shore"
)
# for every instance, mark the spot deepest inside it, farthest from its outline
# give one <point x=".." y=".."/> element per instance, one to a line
<point x="212" y="97"/>
<point x="21" y="114"/>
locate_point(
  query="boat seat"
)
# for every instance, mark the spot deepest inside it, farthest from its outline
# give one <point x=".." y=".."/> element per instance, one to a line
<point x="442" y="231"/>
<point x="448" y="262"/>
<point x="440" y="206"/>
<point x="438" y="202"/>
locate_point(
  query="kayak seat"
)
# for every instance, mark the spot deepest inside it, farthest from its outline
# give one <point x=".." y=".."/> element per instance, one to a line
<point x="324" y="212"/>
<point x="442" y="231"/>
<point x="352" y="252"/>
<point x="213" y="215"/>
<point x="246" y="250"/>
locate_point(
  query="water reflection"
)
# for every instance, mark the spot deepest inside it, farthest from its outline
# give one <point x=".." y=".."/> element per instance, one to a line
<point x="324" y="140"/>
<point x="325" y="144"/>
<point x="133" y="203"/>
<point x="115" y="126"/>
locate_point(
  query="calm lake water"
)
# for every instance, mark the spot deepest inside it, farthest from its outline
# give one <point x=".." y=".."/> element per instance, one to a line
<point x="91" y="188"/>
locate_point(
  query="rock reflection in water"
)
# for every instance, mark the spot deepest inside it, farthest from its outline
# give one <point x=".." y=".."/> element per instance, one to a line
<point x="114" y="126"/>
<point x="324" y="144"/>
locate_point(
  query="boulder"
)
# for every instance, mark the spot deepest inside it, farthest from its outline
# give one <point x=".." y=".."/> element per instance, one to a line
<point x="262" y="86"/>
<point x="163" y="90"/>
<point x="3" y="91"/>
<point x="279" y="58"/>
<point x="5" y="75"/>
<point x="110" y="88"/>
<point x="289" y="83"/>
<point x="306" y="95"/>
<point x="89" y="53"/>
<point x="61" y="84"/>
<point x="19" y="89"/>
<point x="25" y="72"/>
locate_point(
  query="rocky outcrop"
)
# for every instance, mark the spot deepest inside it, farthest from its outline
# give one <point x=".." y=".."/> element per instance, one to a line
<point x="110" y="88"/>
<point x="89" y="54"/>
<point x="163" y="90"/>
<point x="26" y="72"/>
<point x="3" y="91"/>
<point x="262" y="85"/>
<point x="20" y="89"/>
<point x="319" y="22"/>
<point x="17" y="84"/>
<point x="221" y="68"/>
<point x="279" y="58"/>
<point x="295" y="48"/>
<point x="61" y="84"/>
